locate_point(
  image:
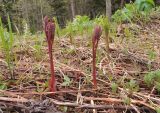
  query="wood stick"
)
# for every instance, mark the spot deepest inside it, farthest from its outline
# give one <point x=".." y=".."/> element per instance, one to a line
<point x="47" y="93"/>
<point x="90" y="106"/>
<point x="14" y="99"/>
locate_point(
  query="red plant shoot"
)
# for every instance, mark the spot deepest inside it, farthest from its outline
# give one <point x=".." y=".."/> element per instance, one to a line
<point x="49" y="28"/>
<point x="95" y="39"/>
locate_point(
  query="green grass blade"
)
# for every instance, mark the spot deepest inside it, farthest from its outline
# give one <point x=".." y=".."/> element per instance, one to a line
<point x="10" y="33"/>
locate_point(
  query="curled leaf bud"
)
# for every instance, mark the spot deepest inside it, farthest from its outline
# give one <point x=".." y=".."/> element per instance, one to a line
<point x="49" y="28"/>
<point x="97" y="33"/>
<point x="96" y="36"/>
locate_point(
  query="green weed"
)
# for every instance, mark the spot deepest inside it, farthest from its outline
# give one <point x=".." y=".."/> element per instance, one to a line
<point x="153" y="78"/>
<point x="144" y="5"/>
<point x="67" y="81"/>
<point x="81" y="25"/>
<point x="114" y="87"/>
<point x="3" y="86"/>
<point x="70" y="32"/>
<point x="126" y="14"/>
<point x="38" y="47"/>
<point x="134" y="12"/>
<point x="7" y="41"/>
<point x="151" y="56"/>
<point x="127" y="101"/>
<point x="132" y="86"/>
<point x="26" y="28"/>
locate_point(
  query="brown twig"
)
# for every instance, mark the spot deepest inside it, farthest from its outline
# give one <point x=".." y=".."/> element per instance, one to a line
<point x="47" y="93"/>
<point x="114" y="100"/>
<point x="23" y="100"/>
<point x="90" y="106"/>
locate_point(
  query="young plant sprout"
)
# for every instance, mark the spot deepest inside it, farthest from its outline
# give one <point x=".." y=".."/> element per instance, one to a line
<point x="49" y="28"/>
<point x="95" y="39"/>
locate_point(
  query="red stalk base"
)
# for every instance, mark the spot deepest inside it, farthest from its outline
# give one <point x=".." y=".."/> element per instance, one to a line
<point x="52" y="84"/>
<point x="94" y="68"/>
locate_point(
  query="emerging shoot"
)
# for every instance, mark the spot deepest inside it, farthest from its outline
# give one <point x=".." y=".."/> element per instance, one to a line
<point x="49" y="28"/>
<point x="95" y="39"/>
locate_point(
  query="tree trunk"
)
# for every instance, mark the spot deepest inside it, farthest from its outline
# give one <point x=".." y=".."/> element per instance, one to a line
<point x="108" y="8"/>
<point x="122" y="3"/>
<point x="72" y="8"/>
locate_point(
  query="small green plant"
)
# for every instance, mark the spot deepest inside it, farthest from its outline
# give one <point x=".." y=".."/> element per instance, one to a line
<point x="151" y="56"/>
<point x="37" y="47"/>
<point x="132" y="86"/>
<point x="144" y="5"/>
<point x="126" y="14"/>
<point x="7" y="41"/>
<point x="70" y="31"/>
<point x="38" y="53"/>
<point x="149" y="78"/>
<point x="153" y="79"/>
<point x="114" y="87"/>
<point x="136" y="12"/>
<point x="26" y="28"/>
<point x="67" y="81"/>
<point x="3" y="86"/>
<point x="81" y="25"/>
<point x="127" y="33"/>
<point x="127" y="100"/>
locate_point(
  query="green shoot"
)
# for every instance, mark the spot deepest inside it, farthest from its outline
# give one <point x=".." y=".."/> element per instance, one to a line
<point x="132" y="86"/>
<point x="153" y="78"/>
<point x="149" y="78"/>
<point x="114" y="87"/>
<point x="127" y="101"/>
<point x="3" y="86"/>
<point x="67" y="81"/>
<point x="70" y="31"/>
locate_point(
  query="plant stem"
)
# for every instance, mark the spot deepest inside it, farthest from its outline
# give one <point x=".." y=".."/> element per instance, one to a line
<point x="94" y="67"/>
<point x="52" y="79"/>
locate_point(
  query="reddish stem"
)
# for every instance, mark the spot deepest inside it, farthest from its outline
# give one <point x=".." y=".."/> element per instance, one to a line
<point x="95" y="40"/>
<point x="49" y="28"/>
<point x="52" y="84"/>
<point x="94" y="67"/>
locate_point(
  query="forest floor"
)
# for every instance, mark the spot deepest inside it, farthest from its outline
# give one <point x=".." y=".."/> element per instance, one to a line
<point x="134" y="53"/>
